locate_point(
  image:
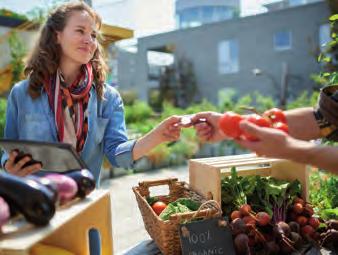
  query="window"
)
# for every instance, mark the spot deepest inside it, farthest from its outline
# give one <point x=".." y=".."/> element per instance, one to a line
<point x="296" y="2"/>
<point x="282" y="40"/>
<point x="324" y="35"/>
<point x="228" y="54"/>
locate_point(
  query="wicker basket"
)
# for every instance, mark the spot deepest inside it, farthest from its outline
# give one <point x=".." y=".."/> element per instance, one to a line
<point x="166" y="233"/>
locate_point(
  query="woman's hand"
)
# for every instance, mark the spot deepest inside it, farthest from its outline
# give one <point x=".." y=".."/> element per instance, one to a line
<point x="17" y="168"/>
<point x="169" y="130"/>
<point x="208" y="129"/>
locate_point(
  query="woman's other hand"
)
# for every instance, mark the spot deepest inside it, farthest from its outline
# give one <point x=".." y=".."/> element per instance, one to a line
<point x="17" y="168"/>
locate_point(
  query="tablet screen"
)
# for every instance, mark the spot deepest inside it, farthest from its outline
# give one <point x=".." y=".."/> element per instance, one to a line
<point x="54" y="156"/>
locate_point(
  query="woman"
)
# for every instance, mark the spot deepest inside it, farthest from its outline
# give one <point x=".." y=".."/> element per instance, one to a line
<point x="65" y="98"/>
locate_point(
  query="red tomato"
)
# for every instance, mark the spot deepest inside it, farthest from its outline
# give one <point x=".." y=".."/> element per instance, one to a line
<point x="257" y="120"/>
<point x="281" y="126"/>
<point x="158" y="207"/>
<point x="229" y="124"/>
<point x="275" y="115"/>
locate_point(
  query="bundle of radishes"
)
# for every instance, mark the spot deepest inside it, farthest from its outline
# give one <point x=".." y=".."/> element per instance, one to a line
<point x="256" y="233"/>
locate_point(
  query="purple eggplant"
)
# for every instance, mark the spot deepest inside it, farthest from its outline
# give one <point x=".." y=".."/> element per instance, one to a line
<point x="4" y="212"/>
<point x="29" y="197"/>
<point x="83" y="177"/>
<point x="50" y="185"/>
<point x="84" y="180"/>
<point x="66" y="186"/>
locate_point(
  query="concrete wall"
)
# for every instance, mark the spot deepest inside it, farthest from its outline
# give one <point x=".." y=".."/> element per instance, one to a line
<point x="255" y="37"/>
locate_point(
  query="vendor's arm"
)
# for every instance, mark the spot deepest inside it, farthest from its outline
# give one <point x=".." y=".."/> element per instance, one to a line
<point x="302" y="124"/>
<point x="276" y="144"/>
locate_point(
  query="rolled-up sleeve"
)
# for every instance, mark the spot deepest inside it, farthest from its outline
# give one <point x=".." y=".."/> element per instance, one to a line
<point x="117" y="148"/>
<point x="326" y="112"/>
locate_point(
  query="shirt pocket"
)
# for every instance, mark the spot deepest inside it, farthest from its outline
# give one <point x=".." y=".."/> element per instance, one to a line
<point x="35" y="126"/>
<point x="101" y="125"/>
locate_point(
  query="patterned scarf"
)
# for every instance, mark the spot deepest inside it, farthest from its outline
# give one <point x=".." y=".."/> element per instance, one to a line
<point x="69" y="104"/>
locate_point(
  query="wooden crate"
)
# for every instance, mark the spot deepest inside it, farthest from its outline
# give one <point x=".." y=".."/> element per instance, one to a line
<point x="205" y="174"/>
<point x="68" y="228"/>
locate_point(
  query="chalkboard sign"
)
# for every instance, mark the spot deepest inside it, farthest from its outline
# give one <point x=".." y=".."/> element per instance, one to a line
<point x="210" y="236"/>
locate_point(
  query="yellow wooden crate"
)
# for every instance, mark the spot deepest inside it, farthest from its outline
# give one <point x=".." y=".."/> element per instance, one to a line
<point x="205" y="174"/>
<point x="68" y="229"/>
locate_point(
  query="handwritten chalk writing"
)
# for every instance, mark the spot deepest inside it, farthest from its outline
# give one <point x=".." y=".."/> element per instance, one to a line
<point x="214" y="251"/>
<point x="201" y="237"/>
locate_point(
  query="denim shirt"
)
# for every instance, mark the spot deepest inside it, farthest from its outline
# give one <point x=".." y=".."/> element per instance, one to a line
<point x="33" y="119"/>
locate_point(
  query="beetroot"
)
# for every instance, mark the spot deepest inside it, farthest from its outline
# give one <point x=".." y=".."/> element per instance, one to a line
<point x="245" y="209"/>
<point x="308" y="210"/>
<point x="296" y="239"/>
<point x="307" y="231"/>
<point x="66" y="186"/>
<point x="249" y="220"/>
<point x="272" y="247"/>
<point x="299" y="200"/>
<point x="282" y="230"/>
<point x="314" y="222"/>
<point x="302" y="220"/>
<point x="235" y="215"/>
<point x="263" y="218"/>
<point x="298" y="208"/>
<point x="294" y="226"/>
<point x="241" y="244"/>
<point x="238" y="226"/>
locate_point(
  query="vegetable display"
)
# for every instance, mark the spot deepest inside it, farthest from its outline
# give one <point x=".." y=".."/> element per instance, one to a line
<point x="29" y="197"/>
<point x="36" y="196"/>
<point x="181" y="205"/>
<point x="268" y="216"/>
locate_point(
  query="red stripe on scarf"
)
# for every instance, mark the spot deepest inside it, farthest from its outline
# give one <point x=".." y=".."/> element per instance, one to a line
<point x="71" y="102"/>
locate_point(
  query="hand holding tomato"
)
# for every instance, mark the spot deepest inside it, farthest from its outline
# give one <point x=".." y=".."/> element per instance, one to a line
<point x="275" y="115"/>
<point x="257" y="120"/>
<point x="229" y="124"/>
<point x="271" y="142"/>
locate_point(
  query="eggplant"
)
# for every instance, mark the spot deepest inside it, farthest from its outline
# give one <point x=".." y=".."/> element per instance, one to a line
<point x="29" y="197"/>
<point x="4" y="212"/>
<point x="83" y="177"/>
<point x="50" y="185"/>
<point x="84" y="180"/>
<point x="66" y="186"/>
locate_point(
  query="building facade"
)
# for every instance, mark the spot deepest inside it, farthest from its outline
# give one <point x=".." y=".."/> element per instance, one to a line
<point x="192" y="13"/>
<point x="226" y="55"/>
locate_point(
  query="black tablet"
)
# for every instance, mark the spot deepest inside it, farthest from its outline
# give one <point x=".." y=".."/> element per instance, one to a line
<point x="53" y="156"/>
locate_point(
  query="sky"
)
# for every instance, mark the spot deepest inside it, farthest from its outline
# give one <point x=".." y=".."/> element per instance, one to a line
<point x="144" y="24"/>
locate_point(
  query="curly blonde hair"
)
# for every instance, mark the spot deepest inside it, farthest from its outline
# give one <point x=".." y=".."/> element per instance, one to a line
<point x="45" y="57"/>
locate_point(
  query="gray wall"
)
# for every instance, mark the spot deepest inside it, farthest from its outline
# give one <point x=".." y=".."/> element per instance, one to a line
<point x="255" y="36"/>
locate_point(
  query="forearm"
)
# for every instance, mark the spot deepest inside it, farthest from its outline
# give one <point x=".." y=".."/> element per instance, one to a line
<point x="144" y="144"/>
<point x="302" y="124"/>
<point x="323" y="157"/>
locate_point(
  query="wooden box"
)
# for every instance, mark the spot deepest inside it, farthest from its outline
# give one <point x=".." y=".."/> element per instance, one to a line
<point x="68" y="228"/>
<point x="205" y="174"/>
